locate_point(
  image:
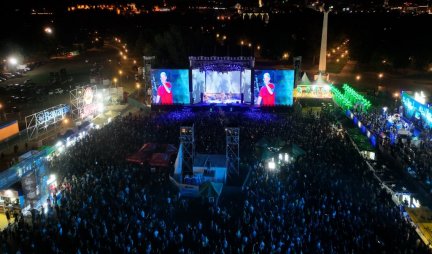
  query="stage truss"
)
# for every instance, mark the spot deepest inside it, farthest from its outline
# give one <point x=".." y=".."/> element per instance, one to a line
<point x="148" y="62"/>
<point x="44" y="121"/>
<point x="79" y="100"/>
<point x="233" y="150"/>
<point x="187" y="139"/>
<point x="221" y="64"/>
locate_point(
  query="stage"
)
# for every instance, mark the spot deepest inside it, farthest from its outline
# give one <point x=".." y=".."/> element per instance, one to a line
<point x="205" y="107"/>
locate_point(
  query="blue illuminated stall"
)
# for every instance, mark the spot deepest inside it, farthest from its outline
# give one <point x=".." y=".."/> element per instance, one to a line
<point x="415" y="109"/>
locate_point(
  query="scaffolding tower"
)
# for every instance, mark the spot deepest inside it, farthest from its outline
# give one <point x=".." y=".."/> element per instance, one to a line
<point x="148" y="62"/>
<point x="78" y="100"/>
<point x="233" y="150"/>
<point x="187" y="139"/>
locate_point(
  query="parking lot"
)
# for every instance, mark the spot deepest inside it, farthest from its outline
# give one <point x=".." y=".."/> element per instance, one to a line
<point x="47" y="83"/>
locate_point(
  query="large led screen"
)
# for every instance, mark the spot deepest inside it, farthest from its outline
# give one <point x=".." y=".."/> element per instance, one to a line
<point x="170" y="86"/>
<point x="273" y="87"/>
<point x="221" y="87"/>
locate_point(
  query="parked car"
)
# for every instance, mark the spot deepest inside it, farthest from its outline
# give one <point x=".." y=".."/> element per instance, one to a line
<point x="58" y="91"/>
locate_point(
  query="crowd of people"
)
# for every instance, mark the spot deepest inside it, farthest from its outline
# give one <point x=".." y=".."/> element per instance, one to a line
<point x="324" y="202"/>
<point x="413" y="154"/>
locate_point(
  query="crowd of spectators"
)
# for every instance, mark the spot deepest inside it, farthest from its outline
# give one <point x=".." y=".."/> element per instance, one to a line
<point x="325" y="202"/>
<point x="414" y="155"/>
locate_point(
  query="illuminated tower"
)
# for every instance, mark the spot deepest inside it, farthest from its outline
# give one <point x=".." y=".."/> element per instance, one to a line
<point x="260" y="4"/>
<point x="323" y="53"/>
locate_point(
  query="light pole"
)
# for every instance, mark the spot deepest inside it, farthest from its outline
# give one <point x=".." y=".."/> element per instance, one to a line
<point x="115" y="82"/>
<point x="396" y="96"/>
<point x="138" y="87"/>
<point x="120" y="72"/>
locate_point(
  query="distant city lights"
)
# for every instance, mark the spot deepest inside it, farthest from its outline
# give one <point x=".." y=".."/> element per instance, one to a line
<point x="48" y="30"/>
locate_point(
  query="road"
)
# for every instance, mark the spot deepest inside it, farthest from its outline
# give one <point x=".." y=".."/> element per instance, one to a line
<point x="406" y="80"/>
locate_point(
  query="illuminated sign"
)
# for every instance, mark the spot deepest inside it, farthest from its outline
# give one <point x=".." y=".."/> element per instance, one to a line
<point x="48" y="115"/>
<point x="88" y="95"/>
<point x="415" y="108"/>
<point x="89" y="106"/>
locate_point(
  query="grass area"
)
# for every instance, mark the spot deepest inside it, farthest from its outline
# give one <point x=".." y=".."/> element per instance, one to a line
<point x="334" y="67"/>
<point x="422" y="75"/>
<point x="361" y="140"/>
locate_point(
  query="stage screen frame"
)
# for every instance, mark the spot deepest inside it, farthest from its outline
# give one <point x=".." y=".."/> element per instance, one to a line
<point x="204" y="82"/>
<point x="179" y="80"/>
<point x="283" y="81"/>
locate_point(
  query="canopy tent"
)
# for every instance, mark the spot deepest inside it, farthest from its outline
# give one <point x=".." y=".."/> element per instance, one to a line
<point x="210" y="189"/>
<point x="267" y="154"/>
<point x="263" y="142"/>
<point x="293" y="150"/>
<point x="277" y="142"/>
<point x="156" y="155"/>
<point x="160" y="160"/>
<point x="305" y="80"/>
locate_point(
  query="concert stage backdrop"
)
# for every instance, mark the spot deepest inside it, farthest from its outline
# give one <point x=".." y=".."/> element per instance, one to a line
<point x="170" y="86"/>
<point x="273" y="87"/>
<point x="221" y="87"/>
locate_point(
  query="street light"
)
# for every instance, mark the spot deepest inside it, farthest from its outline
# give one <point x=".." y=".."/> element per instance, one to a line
<point x="115" y="82"/>
<point x="120" y="72"/>
<point x="381" y="75"/>
<point x="258" y="47"/>
<point x="48" y="30"/>
<point x="12" y="60"/>
<point x="358" y="77"/>
<point x="224" y="37"/>
<point x="138" y="86"/>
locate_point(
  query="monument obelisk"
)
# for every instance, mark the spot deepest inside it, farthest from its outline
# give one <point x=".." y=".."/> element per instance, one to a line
<point x="323" y="52"/>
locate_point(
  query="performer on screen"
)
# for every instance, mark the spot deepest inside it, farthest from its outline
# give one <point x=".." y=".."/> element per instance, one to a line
<point x="164" y="92"/>
<point x="266" y="94"/>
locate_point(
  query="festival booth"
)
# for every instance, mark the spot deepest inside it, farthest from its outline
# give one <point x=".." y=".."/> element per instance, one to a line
<point x="319" y="88"/>
<point x="209" y="174"/>
<point x="10" y="200"/>
<point x="8" y="130"/>
<point x="422" y="218"/>
<point x="208" y="168"/>
<point x="416" y="109"/>
<point x="154" y="155"/>
<point x="210" y="191"/>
